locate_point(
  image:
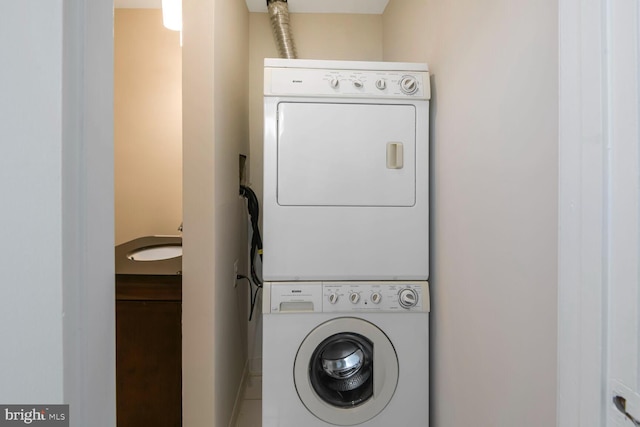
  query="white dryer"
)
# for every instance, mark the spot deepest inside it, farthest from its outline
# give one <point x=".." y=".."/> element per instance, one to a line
<point x="346" y="170"/>
<point x="346" y="354"/>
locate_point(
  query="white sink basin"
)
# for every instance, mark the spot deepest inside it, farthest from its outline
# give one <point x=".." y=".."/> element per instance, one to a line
<point x="156" y="253"/>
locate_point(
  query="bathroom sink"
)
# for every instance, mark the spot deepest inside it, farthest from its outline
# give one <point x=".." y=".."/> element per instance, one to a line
<point x="156" y="253"/>
<point x="150" y="255"/>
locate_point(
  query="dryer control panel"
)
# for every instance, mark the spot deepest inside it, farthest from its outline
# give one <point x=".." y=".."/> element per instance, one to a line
<point x="342" y="82"/>
<point x="345" y="297"/>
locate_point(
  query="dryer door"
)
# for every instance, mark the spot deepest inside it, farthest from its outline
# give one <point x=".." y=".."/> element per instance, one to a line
<point x="333" y="154"/>
<point x="346" y="371"/>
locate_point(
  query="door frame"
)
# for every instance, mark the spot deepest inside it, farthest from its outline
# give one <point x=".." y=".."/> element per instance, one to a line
<point x="586" y="83"/>
<point x="581" y="180"/>
<point x="88" y="289"/>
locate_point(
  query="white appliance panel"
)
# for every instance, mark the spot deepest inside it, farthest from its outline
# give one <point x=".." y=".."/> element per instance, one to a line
<point x="285" y="335"/>
<point x="346" y="155"/>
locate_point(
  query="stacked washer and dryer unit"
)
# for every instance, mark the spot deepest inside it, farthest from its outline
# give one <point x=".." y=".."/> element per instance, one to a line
<point x="346" y="244"/>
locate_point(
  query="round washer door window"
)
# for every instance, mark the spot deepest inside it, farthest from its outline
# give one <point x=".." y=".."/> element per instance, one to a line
<point x="346" y="371"/>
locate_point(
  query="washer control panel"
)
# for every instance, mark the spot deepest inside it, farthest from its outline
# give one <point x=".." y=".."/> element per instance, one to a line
<point x="375" y="296"/>
<point x="341" y="82"/>
<point x="344" y="297"/>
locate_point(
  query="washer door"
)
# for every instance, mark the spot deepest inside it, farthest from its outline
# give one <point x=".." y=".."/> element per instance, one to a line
<point x="346" y="371"/>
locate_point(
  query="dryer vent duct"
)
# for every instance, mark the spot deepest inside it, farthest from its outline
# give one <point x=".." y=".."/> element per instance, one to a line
<point x="279" y="15"/>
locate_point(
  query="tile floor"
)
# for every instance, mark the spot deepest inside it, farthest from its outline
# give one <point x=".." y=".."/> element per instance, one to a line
<point x="251" y="409"/>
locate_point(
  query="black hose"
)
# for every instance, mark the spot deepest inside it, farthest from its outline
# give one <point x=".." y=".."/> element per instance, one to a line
<point x="256" y="239"/>
<point x="256" y="244"/>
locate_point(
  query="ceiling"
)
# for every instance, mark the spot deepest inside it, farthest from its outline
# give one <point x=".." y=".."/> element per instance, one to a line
<point x="375" y="7"/>
<point x="325" y="6"/>
<point x="137" y="4"/>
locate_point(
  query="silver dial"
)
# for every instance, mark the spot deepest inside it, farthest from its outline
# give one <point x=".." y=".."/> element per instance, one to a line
<point x="408" y="298"/>
<point x="334" y="83"/>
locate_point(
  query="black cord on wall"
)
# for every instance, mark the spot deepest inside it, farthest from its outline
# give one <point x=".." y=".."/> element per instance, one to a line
<point x="256" y="245"/>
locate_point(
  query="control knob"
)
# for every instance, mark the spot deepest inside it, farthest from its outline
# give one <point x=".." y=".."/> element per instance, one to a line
<point x="334" y="83"/>
<point x="333" y="297"/>
<point x="381" y="84"/>
<point x="409" y="85"/>
<point x="354" y="297"/>
<point x="358" y="84"/>
<point x="408" y="298"/>
<point x="376" y="298"/>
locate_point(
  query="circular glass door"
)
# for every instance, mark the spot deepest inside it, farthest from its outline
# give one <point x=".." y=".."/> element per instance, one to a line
<point x="341" y="370"/>
<point x="346" y="371"/>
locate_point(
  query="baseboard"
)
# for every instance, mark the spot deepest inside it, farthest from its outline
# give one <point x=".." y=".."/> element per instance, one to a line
<point x="239" y="396"/>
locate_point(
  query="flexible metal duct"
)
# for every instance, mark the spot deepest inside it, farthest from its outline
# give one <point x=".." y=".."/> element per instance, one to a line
<point x="279" y="15"/>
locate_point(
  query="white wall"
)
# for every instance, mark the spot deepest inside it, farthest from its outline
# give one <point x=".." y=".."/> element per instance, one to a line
<point x="494" y="203"/>
<point x="147" y="125"/>
<point x="215" y="132"/>
<point x="30" y="167"/>
<point x="56" y="305"/>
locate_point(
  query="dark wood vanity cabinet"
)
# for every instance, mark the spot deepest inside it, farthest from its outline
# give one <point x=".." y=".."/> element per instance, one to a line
<point x="149" y="350"/>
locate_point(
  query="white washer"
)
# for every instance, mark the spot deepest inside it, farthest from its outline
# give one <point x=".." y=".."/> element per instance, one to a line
<point x="346" y="354"/>
<point x="346" y="170"/>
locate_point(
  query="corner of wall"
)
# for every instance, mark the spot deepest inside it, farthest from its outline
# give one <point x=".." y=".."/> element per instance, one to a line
<point x="215" y="132"/>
